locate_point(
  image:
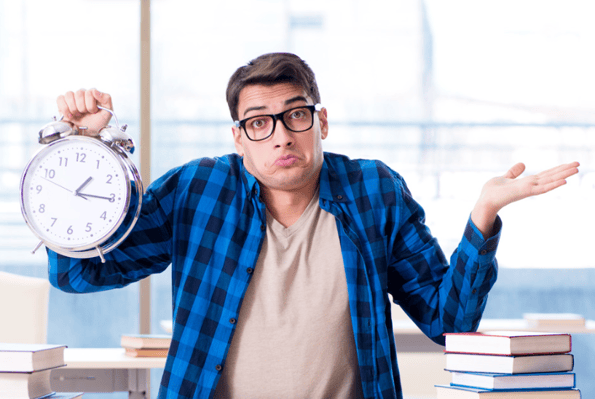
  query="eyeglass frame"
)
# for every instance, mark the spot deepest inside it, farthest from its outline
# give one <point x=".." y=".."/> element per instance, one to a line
<point x="279" y="117"/>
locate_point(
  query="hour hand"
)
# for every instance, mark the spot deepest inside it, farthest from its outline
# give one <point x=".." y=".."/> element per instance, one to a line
<point x="76" y="192"/>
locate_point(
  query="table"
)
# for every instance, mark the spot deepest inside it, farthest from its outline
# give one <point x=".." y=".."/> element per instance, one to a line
<point x="105" y="370"/>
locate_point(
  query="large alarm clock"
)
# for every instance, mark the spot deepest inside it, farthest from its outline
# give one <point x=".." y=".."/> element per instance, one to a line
<point x="81" y="195"/>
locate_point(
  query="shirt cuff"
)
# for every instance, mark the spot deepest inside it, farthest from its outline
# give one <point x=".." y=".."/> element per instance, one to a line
<point x="486" y="248"/>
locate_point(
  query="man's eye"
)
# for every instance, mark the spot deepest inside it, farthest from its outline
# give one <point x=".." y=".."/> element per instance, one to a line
<point x="258" y="123"/>
<point x="297" y="114"/>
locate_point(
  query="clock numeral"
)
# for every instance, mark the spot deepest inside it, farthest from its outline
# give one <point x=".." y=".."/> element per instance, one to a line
<point x="103" y="215"/>
<point x="65" y="161"/>
<point x="112" y="197"/>
<point x="41" y="208"/>
<point x="69" y="230"/>
<point x="80" y="157"/>
<point x="39" y="188"/>
<point x="54" y="222"/>
<point x="109" y="179"/>
<point x="98" y="164"/>
<point x="88" y="229"/>
<point x="50" y="173"/>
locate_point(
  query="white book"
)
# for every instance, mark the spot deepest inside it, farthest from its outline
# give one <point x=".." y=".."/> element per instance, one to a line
<point x="509" y="364"/>
<point x="514" y="381"/>
<point x="30" y="357"/>
<point x="25" y="385"/>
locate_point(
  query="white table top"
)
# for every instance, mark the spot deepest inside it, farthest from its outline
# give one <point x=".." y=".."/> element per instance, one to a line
<point x="108" y="358"/>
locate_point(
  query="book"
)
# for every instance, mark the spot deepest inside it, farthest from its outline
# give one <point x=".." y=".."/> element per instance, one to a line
<point x="514" y="381"/>
<point x="508" y="343"/>
<point x="147" y="352"/>
<point x="66" y="395"/>
<point x="30" y="357"/>
<point x="509" y="364"/>
<point x="25" y="385"/>
<point x="452" y="392"/>
<point x="141" y="341"/>
<point x="554" y="319"/>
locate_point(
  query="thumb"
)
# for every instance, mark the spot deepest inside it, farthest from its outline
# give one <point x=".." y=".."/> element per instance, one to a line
<point x="515" y="171"/>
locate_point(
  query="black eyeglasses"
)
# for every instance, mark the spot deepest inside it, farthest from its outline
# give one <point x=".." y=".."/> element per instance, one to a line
<point x="261" y="127"/>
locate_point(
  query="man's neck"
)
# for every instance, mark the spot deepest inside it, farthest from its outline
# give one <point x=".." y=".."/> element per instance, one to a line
<point x="287" y="206"/>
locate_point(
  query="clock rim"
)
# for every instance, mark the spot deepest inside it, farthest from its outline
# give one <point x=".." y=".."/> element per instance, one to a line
<point x="124" y="164"/>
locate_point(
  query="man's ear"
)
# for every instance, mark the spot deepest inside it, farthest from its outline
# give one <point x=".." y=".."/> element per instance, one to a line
<point x="323" y="118"/>
<point x="237" y="140"/>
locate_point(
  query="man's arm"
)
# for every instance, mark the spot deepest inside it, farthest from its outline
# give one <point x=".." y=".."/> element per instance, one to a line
<point x="441" y="298"/>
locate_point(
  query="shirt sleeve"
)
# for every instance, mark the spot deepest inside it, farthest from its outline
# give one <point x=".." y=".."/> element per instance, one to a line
<point x="438" y="296"/>
<point x="146" y="250"/>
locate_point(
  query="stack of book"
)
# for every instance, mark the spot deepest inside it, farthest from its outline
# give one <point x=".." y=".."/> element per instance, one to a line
<point x="509" y="364"/>
<point x="146" y="345"/>
<point x="25" y="371"/>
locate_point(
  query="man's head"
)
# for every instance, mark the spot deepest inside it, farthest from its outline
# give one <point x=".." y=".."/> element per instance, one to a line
<point x="273" y="99"/>
<point x="268" y="70"/>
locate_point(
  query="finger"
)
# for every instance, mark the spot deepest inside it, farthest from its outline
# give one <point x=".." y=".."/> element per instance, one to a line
<point x="544" y="188"/>
<point x="90" y="102"/>
<point x="104" y="99"/>
<point x="559" y="168"/>
<point x="71" y="105"/>
<point x="515" y="171"/>
<point x="63" y="107"/>
<point x="79" y="98"/>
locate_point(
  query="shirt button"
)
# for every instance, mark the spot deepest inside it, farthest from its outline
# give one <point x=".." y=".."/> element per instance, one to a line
<point x="249" y="270"/>
<point x="263" y="227"/>
<point x="339" y="197"/>
<point x="483" y="252"/>
<point x="218" y="367"/>
<point x="232" y="321"/>
<point x="474" y="291"/>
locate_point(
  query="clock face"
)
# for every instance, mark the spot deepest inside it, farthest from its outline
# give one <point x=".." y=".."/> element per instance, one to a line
<point x="75" y="193"/>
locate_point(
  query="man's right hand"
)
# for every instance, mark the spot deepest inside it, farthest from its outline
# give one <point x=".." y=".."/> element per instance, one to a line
<point x="81" y="109"/>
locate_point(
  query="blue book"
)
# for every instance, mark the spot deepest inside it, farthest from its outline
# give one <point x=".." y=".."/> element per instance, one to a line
<point x="514" y="381"/>
<point x="456" y="392"/>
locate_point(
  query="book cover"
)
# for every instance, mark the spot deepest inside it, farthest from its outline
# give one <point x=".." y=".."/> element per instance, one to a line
<point x="453" y="392"/>
<point x="25" y="385"/>
<point x="554" y="319"/>
<point x="140" y="341"/>
<point x="508" y="342"/>
<point x="30" y="357"/>
<point x="147" y="352"/>
<point x="509" y="364"/>
<point x="513" y="381"/>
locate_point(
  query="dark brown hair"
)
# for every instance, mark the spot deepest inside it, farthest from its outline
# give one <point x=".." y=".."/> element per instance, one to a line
<point x="270" y="69"/>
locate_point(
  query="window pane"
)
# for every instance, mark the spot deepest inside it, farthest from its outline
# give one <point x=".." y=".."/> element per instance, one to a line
<point x="46" y="49"/>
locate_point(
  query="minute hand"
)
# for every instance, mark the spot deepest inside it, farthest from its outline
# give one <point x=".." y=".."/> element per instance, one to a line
<point x="97" y="196"/>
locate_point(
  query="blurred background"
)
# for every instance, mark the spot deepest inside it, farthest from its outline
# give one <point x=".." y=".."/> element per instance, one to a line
<point x="449" y="94"/>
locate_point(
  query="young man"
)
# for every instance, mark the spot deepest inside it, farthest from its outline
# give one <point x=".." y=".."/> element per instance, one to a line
<point x="283" y="256"/>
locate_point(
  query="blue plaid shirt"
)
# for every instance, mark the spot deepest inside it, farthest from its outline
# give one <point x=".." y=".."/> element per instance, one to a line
<point x="206" y="219"/>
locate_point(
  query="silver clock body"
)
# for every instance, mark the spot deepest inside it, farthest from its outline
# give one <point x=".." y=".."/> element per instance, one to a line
<point x="80" y="195"/>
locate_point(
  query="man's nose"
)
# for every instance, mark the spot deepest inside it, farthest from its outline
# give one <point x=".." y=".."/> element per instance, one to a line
<point x="281" y="135"/>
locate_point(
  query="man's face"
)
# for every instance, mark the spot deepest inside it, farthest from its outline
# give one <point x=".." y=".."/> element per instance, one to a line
<point x="286" y="161"/>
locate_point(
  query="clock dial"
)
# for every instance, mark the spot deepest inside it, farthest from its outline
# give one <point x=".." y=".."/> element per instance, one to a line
<point x="75" y="193"/>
